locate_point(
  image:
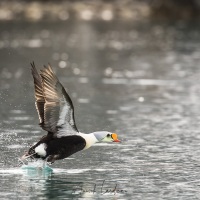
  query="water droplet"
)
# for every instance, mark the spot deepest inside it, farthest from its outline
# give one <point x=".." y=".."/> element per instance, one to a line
<point x="83" y="100"/>
<point x="141" y="99"/>
<point x="111" y="112"/>
<point x="62" y="64"/>
<point x="107" y="15"/>
<point x="83" y="80"/>
<point x="64" y="56"/>
<point x="108" y="71"/>
<point x="64" y="15"/>
<point x="86" y="14"/>
<point x="76" y="71"/>
<point x="34" y="43"/>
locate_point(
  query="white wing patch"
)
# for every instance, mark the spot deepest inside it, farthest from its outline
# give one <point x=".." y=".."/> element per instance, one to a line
<point x="41" y="150"/>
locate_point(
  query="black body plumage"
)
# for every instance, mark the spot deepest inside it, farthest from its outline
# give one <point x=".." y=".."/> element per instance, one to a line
<point x="59" y="148"/>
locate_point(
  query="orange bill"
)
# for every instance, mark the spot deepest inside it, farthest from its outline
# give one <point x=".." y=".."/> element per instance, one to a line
<point x="114" y="137"/>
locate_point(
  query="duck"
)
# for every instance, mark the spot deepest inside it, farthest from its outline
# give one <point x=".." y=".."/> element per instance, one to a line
<point x="56" y="116"/>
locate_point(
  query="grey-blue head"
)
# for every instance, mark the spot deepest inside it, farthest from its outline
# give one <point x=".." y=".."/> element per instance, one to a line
<point x="105" y="136"/>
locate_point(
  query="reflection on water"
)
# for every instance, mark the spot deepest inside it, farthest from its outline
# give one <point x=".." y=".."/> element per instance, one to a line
<point x="140" y="80"/>
<point x="48" y="184"/>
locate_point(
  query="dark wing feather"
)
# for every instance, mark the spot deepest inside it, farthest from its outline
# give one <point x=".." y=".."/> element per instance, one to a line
<point x="58" y="108"/>
<point x="40" y="101"/>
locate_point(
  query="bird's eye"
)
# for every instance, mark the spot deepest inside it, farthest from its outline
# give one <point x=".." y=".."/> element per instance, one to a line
<point x="108" y="135"/>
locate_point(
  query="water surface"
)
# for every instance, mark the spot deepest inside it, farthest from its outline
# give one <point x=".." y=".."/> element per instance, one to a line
<point x="140" y="80"/>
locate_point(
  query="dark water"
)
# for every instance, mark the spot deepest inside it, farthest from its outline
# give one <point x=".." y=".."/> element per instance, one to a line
<point x="140" y="80"/>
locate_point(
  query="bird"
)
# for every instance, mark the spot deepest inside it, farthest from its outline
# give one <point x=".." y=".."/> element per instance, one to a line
<point x="56" y="117"/>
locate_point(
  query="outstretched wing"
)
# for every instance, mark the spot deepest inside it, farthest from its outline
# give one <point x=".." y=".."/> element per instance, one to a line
<point x="58" y="107"/>
<point x="55" y="108"/>
<point x="39" y="96"/>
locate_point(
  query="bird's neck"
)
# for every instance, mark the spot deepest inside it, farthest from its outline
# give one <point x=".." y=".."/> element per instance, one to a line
<point x="89" y="138"/>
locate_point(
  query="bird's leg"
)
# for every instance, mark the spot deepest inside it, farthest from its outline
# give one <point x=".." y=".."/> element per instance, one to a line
<point x="21" y="161"/>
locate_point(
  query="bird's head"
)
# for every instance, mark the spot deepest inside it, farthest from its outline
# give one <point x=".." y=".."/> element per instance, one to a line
<point x="105" y="136"/>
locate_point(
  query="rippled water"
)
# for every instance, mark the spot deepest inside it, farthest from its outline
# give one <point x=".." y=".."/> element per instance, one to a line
<point x="140" y="80"/>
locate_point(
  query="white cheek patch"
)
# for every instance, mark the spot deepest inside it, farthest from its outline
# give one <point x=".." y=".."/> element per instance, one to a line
<point x="41" y="150"/>
<point x="107" y="139"/>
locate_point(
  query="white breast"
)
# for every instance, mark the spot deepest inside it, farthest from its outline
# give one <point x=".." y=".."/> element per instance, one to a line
<point x="89" y="138"/>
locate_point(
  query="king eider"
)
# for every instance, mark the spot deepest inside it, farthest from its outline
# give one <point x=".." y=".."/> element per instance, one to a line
<point x="56" y="116"/>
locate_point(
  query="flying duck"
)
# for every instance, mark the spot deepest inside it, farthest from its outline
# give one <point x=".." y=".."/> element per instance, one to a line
<point x="56" y="116"/>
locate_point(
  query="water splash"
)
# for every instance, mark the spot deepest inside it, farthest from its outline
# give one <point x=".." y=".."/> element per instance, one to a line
<point x="37" y="165"/>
